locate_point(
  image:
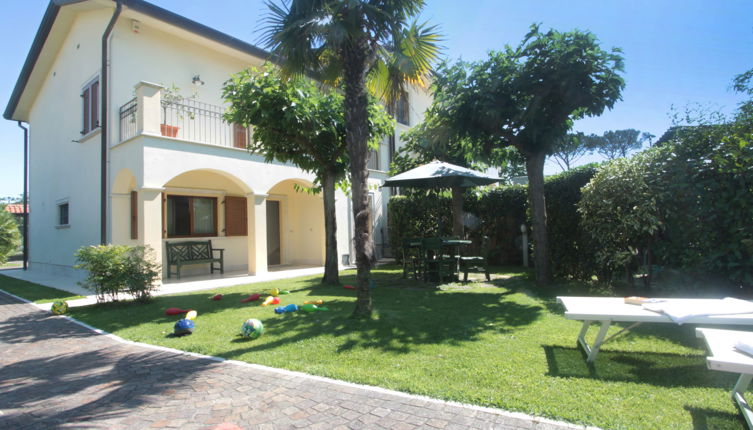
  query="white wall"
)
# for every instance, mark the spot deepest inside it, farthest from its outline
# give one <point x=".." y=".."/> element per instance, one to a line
<point x="62" y="168"/>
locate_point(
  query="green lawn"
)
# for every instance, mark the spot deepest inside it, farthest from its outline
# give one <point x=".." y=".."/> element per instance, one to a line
<point x="491" y="344"/>
<point x="33" y="292"/>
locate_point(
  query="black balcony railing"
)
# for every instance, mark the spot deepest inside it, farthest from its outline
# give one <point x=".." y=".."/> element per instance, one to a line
<point x="128" y="126"/>
<point x="201" y="122"/>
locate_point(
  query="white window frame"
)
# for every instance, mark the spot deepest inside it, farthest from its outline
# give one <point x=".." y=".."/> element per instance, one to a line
<point x="58" y="206"/>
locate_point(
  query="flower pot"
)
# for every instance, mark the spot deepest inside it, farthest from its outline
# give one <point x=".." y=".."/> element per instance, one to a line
<point x="169" y="130"/>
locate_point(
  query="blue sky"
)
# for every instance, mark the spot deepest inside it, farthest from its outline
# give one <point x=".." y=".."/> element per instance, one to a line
<point x="676" y="52"/>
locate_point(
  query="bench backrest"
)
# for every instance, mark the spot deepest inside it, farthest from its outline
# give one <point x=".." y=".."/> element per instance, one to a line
<point x="189" y="251"/>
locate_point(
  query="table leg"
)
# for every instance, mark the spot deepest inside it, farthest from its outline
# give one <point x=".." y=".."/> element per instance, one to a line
<point x="737" y="395"/>
<point x="592" y="351"/>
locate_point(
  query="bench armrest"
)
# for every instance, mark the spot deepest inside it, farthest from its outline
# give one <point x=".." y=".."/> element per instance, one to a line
<point x="222" y="251"/>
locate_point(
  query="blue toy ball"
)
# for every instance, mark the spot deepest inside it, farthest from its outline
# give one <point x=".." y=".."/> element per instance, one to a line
<point x="252" y="328"/>
<point x="183" y="327"/>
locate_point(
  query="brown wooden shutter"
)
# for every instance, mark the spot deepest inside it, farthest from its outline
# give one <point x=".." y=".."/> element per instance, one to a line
<point x="94" y="105"/>
<point x="134" y="215"/>
<point x="87" y="117"/>
<point x="164" y="217"/>
<point x="236" y="221"/>
<point x="240" y="136"/>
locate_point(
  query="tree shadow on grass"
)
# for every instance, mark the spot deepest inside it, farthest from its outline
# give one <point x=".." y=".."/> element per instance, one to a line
<point x="660" y="369"/>
<point x="704" y="419"/>
<point x="410" y="319"/>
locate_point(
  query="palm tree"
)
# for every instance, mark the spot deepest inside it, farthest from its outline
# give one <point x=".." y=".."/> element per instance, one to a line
<point x="361" y="45"/>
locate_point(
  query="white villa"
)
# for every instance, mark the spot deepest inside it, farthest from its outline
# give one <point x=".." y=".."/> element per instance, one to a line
<point x="114" y="159"/>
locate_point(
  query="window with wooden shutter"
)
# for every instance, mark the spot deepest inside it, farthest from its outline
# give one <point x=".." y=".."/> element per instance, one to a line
<point x="134" y="215"/>
<point x="90" y="99"/>
<point x="236" y="221"/>
<point x="240" y="136"/>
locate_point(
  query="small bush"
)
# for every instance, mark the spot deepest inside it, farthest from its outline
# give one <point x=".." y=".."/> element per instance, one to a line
<point x="117" y="269"/>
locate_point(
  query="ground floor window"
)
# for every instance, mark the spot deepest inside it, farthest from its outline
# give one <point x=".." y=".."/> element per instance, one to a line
<point x="189" y="216"/>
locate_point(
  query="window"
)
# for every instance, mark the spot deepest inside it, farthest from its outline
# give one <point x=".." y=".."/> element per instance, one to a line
<point x="63" y="214"/>
<point x="189" y="216"/>
<point x="373" y="163"/>
<point x="90" y="97"/>
<point x="402" y="111"/>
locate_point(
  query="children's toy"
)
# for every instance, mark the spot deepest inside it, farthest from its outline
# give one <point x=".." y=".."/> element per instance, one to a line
<point x="217" y="297"/>
<point x="175" y="311"/>
<point x="314" y="302"/>
<point x="252" y="328"/>
<point x="191" y="315"/>
<point x="271" y="300"/>
<point x="313" y="308"/>
<point x="251" y="298"/>
<point x="284" y="309"/>
<point x="274" y="292"/>
<point x="284" y="292"/>
<point x="183" y="327"/>
<point x="349" y="287"/>
<point x="59" y="307"/>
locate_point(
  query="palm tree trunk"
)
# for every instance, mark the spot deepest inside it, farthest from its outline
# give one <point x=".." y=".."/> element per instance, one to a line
<point x="356" y="136"/>
<point x="331" y="272"/>
<point x="535" y="170"/>
<point x="457" y="212"/>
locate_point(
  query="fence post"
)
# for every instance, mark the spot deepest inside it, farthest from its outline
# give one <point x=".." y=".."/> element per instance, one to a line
<point x="149" y="110"/>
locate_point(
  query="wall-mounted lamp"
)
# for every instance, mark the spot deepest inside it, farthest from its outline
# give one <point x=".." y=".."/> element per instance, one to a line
<point x="197" y="81"/>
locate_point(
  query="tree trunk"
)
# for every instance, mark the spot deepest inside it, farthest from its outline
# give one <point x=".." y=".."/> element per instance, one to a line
<point x="537" y="201"/>
<point x="457" y="212"/>
<point x="356" y="136"/>
<point x="331" y="269"/>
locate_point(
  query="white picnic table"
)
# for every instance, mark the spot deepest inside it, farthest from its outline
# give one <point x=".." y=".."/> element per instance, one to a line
<point x="724" y="357"/>
<point x="606" y="310"/>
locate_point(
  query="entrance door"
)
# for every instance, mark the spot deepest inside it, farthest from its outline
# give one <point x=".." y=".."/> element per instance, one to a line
<point x="273" y="232"/>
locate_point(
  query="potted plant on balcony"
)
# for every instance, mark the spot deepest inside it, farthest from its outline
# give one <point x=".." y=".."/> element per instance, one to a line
<point x="170" y="96"/>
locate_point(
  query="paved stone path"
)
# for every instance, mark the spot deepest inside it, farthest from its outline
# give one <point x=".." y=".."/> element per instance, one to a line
<point x="55" y="373"/>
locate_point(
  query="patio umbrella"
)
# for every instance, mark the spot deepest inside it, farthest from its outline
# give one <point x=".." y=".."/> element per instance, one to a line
<point x="438" y="174"/>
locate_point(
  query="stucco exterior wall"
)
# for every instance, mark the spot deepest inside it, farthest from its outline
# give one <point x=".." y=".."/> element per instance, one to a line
<point x="64" y="166"/>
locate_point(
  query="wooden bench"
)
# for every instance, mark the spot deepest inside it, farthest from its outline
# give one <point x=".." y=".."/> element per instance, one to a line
<point x="195" y="252"/>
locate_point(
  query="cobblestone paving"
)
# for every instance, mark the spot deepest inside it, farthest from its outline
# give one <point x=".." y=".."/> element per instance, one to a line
<point x="57" y="374"/>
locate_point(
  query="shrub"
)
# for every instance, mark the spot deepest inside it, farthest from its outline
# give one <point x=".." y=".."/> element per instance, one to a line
<point x="10" y="238"/>
<point x="113" y="269"/>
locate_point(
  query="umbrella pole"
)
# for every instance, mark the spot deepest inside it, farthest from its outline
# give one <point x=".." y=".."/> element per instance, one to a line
<point x="457" y="212"/>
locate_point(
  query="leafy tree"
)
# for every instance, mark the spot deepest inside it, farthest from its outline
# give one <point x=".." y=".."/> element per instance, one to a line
<point x="527" y="97"/>
<point x="294" y="121"/>
<point x="354" y="43"/>
<point x="570" y="148"/>
<point x="618" y="143"/>
<point x="10" y="238"/>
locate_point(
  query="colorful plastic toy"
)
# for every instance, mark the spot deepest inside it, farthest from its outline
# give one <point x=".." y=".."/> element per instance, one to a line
<point x="313" y="308"/>
<point x="251" y="298"/>
<point x="285" y="292"/>
<point x="349" y="287"/>
<point x="59" y="307"/>
<point x="217" y="297"/>
<point x="285" y="309"/>
<point x="252" y="328"/>
<point x="314" y="302"/>
<point x="271" y="300"/>
<point x="274" y="292"/>
<point x="175" y="311"/>
<point x="191" y="315"/>
<point x="183" y="327"/>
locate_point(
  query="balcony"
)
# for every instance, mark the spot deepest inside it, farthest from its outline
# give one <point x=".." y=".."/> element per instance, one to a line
<point x="183" y="118"/>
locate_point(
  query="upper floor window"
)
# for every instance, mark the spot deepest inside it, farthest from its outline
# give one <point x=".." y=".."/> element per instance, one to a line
<point x="63" y="214"/>
<point x="402" y="109"/>
<point x="90" y="97"/>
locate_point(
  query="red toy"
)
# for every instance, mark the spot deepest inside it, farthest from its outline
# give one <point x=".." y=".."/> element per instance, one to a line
<point x="349" y="287"/>
<point x="217" y="297"/>
<point x="175" y="311"/>
<point x="251" y="298"/>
